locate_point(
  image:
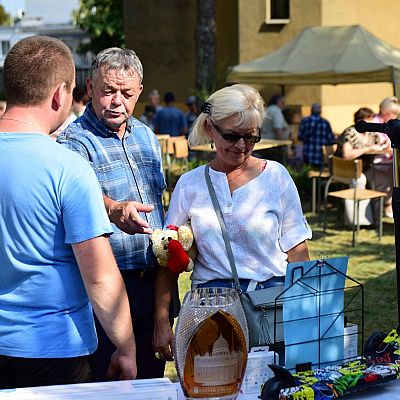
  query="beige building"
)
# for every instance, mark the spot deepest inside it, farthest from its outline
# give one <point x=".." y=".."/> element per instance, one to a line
<point x="162" y="33"/>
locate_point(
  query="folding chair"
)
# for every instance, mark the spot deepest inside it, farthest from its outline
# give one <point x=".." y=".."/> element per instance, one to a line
<point x="318" y="177"/>
<point x="347" y="172"/>
<point x="178" y="159"/>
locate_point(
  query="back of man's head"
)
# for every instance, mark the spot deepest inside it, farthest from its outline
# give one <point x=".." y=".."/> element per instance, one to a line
<point x="115" y="58"/>
<point x="316" y="109"/>
<point x="276" y="100"/>
<point x="169" y="97"/>
<point x="34" y="66"/>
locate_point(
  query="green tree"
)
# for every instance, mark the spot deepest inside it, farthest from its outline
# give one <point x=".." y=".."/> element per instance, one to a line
<point x="5" y="18"/>
<point x="103" y="21"/>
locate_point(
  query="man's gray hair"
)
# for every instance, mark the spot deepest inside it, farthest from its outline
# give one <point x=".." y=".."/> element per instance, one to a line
<point x="118" y="59"/>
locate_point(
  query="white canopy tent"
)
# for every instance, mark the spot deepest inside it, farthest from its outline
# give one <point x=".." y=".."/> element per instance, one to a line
<point x="324" y="55"/>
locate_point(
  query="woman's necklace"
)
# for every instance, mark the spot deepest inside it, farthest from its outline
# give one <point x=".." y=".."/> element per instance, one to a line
<point x="17" y="120"/>
<point x="246" y="167"/>
<point x="237" y="176"/>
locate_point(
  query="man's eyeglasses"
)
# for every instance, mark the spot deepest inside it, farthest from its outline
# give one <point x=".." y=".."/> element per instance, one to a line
<point x="234" y="137"/>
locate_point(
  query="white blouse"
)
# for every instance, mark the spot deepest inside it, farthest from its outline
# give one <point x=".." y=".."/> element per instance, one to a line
<point x="264" y="220"/>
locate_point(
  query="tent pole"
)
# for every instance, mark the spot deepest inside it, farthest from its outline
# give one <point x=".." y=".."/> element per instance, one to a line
<point x="393" y="131"/>
<point x="394" y="82"/>
<point x="396" y="216"/>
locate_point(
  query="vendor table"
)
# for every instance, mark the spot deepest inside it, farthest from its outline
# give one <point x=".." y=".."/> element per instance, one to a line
<point x="155" y="389"/>
<point x="261" y="145"/>
<point x="389" y="391"/>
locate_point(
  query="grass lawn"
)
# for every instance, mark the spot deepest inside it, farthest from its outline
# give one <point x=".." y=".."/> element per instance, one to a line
<point x="371" y="262"/>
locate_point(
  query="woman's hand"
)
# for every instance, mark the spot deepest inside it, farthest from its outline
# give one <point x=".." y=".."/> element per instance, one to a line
<point x="163" y="339"/>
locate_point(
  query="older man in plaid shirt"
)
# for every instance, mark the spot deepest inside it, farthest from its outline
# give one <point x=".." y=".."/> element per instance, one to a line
<point x="125" y="156"/>
<point x="315" y="132"/>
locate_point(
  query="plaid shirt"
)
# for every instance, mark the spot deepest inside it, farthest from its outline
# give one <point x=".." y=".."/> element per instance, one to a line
<point x="127" y="169"/>
<point x="315" y="132"/>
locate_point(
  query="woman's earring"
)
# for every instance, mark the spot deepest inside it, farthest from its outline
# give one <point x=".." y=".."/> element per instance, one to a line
<point x="212" y="145"/>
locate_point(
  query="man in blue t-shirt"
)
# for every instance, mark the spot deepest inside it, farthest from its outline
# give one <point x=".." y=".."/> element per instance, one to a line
<point x="170" y="120"/>
<point x="54" y="250"/>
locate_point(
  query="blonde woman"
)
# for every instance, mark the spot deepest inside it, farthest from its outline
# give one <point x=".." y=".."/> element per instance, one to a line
<point x="258" y="199"/>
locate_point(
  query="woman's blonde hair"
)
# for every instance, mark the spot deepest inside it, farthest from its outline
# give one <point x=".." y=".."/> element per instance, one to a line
<point x="241" y="100"/>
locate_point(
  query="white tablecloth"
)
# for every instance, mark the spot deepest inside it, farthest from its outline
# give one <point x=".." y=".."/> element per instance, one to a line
<point x="154" y="389"/>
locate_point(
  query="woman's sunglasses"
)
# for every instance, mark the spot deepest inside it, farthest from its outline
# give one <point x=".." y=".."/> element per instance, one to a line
<point x="234" y="137"/>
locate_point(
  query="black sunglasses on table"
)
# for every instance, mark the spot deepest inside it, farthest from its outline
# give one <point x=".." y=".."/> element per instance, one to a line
<point x="234" y="137"/>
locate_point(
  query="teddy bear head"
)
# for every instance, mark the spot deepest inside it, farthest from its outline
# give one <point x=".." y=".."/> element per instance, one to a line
<point x="174" y="247"/>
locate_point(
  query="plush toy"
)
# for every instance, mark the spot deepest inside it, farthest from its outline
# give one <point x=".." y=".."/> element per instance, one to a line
<point x="174" y="247"/>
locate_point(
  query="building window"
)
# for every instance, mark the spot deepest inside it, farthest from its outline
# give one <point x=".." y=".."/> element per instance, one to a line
<point x="278" y="12"/>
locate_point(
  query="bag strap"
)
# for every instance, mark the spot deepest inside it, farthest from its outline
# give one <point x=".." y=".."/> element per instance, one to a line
<point x="222" y="224"/>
